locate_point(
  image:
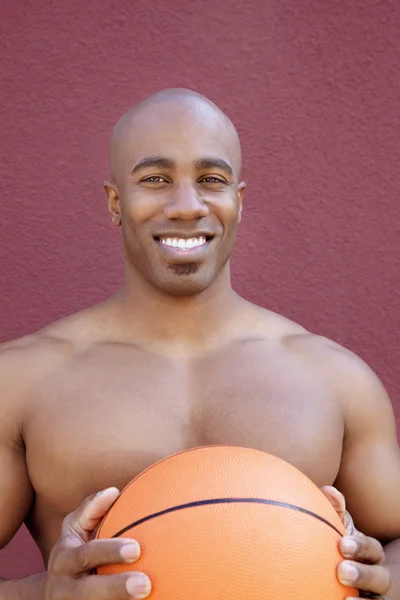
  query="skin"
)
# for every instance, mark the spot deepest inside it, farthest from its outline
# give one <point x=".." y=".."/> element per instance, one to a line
<point x="177" y="359"/>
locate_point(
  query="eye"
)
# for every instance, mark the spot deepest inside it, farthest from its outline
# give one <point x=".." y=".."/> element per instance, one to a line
<point x="212" y="179"/>
<point x="154" y="179"/>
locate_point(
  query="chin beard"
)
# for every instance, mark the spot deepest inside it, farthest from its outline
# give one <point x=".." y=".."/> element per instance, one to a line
<point x="185" y="268"/>
<point x="186" y="280"/>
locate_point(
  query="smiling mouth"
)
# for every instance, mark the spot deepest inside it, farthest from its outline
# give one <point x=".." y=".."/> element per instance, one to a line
<point x="185" y="244"/>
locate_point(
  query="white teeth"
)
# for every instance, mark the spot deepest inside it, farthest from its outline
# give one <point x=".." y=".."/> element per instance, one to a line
<point x="183" y="244"/>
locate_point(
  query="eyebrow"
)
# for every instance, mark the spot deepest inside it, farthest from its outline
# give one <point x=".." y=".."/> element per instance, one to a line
<point x="153" y="161"/>
<point x="208" y="162"/>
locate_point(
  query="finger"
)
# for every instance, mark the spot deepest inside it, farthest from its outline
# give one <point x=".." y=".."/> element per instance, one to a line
<point x="84" y="520"/>
<point x="368" y="578"/>
<point x="338" y="502"/>
<point x="366" y="595"/>
<point x="104" y="587"/>
<point x="336" y="498"/>
<point x="82" y="559"/>
<point x="362" y="548"/>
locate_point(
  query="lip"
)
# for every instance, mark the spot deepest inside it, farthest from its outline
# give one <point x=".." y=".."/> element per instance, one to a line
<point x="192" y="254"/>
<point x="185" y="235"/>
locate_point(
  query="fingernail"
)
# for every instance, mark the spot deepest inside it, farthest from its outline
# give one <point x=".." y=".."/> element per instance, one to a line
<point x="138" y="585"/>
<point x="349" y="547"/>
<point x="130" y="552"/>
<point x="101" y="492"/>
<point x="348" y="574"/>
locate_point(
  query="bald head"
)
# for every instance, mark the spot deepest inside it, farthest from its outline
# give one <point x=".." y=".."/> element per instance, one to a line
<point x="172" y="116"/>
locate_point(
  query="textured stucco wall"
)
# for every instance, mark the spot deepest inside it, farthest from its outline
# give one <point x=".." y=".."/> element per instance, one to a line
<point x="314" y="88"/>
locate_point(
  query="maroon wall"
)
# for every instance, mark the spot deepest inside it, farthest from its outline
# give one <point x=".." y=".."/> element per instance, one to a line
<point x="314" y="88"/>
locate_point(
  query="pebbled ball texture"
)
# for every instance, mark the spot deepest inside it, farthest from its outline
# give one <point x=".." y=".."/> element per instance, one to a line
<point x="242" y="535"/>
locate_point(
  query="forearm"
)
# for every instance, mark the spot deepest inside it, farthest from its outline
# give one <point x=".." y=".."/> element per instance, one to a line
<point x="392" y="553"/>
<point x="29" y="588"/>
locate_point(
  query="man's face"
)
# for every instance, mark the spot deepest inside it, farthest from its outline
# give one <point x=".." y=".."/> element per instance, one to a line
<point x="179" y="197"/>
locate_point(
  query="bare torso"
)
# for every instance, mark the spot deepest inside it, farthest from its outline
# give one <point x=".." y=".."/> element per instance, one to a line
<point x="97" y="412"/>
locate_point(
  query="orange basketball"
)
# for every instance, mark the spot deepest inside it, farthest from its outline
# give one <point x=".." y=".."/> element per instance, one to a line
<point x="225" y="523"/>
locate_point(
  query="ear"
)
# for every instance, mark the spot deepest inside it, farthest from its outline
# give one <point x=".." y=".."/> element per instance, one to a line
<point x="114" y="208"/>
<point x="240" y="194"/>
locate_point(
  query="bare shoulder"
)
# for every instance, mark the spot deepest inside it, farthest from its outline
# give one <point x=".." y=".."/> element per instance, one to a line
<point x="353" y="381"/>
<point x="25" y="363"/>
<point x="325" y="353"/>
<point x="24" y="355"/>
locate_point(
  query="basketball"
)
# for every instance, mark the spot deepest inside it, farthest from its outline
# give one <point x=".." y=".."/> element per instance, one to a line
<point x="224" y="523"/>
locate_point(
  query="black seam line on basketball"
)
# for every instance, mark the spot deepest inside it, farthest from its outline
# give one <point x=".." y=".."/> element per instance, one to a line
<point x="225" y="501"/>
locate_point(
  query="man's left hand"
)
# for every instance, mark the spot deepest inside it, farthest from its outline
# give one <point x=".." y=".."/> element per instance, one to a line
<point x="363" y="567"/>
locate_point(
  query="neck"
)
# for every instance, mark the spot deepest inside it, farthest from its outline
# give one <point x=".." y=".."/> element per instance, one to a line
<point x="176" y="322"/>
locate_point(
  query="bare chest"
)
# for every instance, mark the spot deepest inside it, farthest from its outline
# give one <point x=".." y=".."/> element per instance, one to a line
<point x="102" y="421"/>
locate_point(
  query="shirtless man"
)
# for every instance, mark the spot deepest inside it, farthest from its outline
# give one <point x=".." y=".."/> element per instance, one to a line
<point x="177" y="359"/>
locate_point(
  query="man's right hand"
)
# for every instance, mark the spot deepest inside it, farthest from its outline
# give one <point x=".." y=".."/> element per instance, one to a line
<point x="76" y="554"/>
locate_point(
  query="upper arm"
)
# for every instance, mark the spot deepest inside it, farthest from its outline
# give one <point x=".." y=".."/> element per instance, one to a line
<point x="16" y="492"/>
<point x="369" y="475"/>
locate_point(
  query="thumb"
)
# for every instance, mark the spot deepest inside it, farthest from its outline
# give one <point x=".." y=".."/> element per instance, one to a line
<point x="80" y="524"/>
<point x="336" y="498"/>
<point x="338" y="502"/>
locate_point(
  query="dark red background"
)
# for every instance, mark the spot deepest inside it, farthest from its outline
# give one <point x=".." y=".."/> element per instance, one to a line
<point x="314" y="89"/>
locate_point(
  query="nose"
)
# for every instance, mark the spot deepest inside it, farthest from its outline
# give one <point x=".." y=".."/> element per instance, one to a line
<point x="185" y="203"/>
